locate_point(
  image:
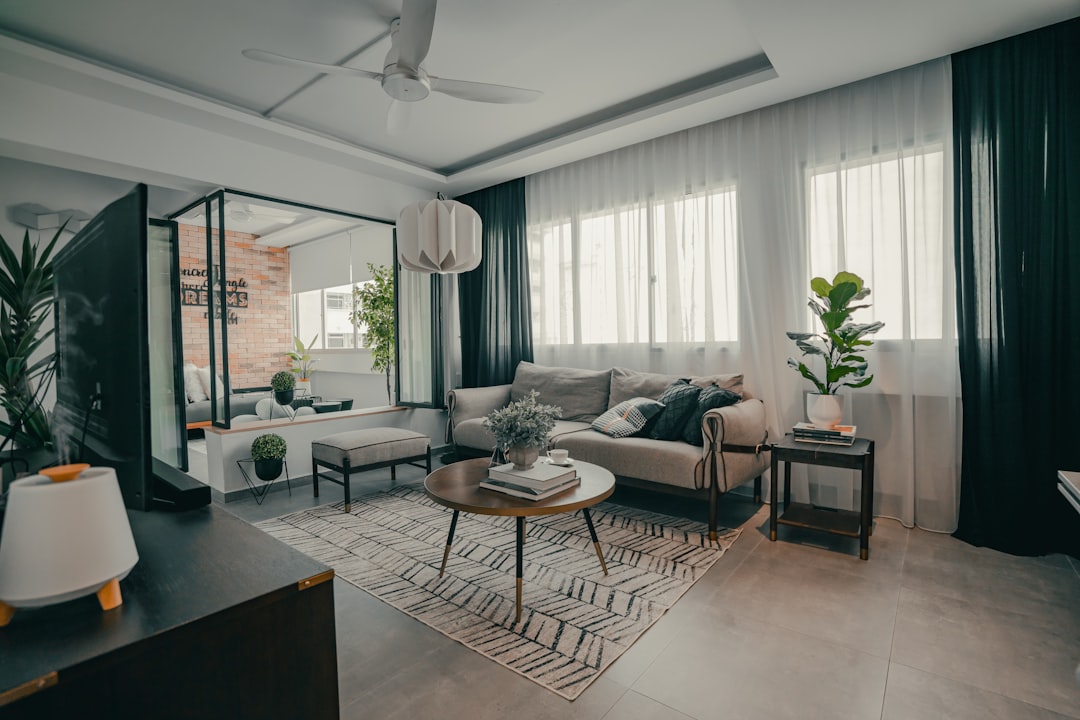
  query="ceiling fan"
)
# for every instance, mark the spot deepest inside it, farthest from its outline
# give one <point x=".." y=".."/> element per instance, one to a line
<point x="403" y="78"/>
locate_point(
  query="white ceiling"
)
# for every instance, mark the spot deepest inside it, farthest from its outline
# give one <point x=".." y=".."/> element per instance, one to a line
<point x="613" y="72"/>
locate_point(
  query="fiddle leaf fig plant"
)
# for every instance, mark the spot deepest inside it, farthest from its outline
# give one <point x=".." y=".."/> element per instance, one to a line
<point x="841" y="342"/>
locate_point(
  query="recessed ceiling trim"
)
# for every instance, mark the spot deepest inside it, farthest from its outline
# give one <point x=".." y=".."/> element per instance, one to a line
<point x="318" y="78"/>
<point x="166" y="101"/>
<point x="552" y="151"/>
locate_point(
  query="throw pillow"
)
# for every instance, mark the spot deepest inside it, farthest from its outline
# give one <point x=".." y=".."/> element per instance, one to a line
<point x="710" y="398"/>
<point x="679" y="400"/>
<point x="732" y="382"/>
<point x="206" y="377"/>
<point x="627" y="418"/>
<point x="192" y="385"/>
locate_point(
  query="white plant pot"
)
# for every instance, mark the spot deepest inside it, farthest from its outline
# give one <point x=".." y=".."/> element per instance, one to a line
<point x="304" y="385"/>
<point x="824" y="410"/>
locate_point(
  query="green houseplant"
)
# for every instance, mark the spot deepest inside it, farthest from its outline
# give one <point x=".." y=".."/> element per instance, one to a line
<point x="268" y="452"/>
<point x="840" y="345"/>
<point x="374" y="310"/>
<point x="26" y="295"/>
<point x="301" y="358"/>
<point x="521" y="428"/>
<point x="283" y="383"/>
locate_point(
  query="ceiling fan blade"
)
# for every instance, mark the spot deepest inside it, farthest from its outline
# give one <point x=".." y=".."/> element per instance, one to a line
<point x="414" y="35"/>
<point x="274" y="58"/>
<point x="398" y="116"/>
<point x="483" y="92"/>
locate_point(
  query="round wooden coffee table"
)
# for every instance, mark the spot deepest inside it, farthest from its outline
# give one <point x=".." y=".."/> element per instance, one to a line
<point x="457" y="487"/>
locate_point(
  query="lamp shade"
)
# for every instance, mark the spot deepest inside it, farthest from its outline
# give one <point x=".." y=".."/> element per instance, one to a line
<point x="63" y="540"/>
<point x="439" y="236"/>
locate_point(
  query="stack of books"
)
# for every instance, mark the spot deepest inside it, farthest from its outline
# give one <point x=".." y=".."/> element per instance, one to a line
<point x="539" y="482"/>
<point x="839" y="435"/>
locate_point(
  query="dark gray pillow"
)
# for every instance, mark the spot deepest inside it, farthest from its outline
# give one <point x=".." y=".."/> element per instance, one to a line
<point x="627" y="418"/>
<point x="679" y="399"/>
<point x="711" y="397"/>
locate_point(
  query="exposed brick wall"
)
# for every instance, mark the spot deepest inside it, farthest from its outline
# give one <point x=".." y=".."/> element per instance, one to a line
<point x="260" y="333"/>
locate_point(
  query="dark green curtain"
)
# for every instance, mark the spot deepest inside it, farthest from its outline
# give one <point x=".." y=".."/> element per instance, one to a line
<point x="1016" y="115"/>
<point x="496" y="317"/>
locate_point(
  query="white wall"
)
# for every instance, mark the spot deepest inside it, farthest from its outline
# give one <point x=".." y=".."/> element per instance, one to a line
<point x="61" y="189"/>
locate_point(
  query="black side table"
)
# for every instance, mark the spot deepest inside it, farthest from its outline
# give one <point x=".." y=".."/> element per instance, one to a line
<point x="858" y="456"/>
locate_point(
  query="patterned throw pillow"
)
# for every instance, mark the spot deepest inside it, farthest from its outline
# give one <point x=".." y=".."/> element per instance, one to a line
<point x="627" y="418"/>
<point x="679" y="399"/>
<point x="711" y="397"/>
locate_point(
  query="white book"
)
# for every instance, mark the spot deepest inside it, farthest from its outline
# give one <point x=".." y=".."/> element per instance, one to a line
<point x="540" y="475"/>
<point x="528" y="493"/>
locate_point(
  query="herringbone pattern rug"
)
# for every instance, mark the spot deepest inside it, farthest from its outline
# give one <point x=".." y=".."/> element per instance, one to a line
<point x="575" y="621"/>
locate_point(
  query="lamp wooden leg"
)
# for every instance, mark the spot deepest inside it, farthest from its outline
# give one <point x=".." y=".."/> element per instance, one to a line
<point x="109" y="595"/>
<point x="6" y="613"/>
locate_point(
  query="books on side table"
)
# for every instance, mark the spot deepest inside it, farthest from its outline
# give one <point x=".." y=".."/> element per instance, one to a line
<point x="539" y="482"/>
<point x="839" y="435"/>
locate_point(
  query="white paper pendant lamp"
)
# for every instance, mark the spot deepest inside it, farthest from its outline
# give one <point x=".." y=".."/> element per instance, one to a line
<point x="439" y="236"/>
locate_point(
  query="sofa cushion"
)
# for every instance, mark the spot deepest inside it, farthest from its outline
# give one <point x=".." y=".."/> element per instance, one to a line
<point x="627" y="418"/>
<point x="582" y="394"/>
<point x="471" y="433"/>
<point x="679" y="400"/>
<point x="626" y="384"/>
<point x="669" y="463"/>
<point x="711" y="397"/>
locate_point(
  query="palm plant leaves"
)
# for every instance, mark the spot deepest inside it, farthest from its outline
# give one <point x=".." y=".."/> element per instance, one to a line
<point x="26" y="294"/>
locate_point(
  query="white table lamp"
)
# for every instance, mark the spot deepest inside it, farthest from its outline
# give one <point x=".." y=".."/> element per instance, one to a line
<point x="64" y="539"/>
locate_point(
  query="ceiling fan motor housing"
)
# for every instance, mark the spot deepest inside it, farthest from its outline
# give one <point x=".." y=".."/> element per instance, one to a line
<point x="404" y="84"/>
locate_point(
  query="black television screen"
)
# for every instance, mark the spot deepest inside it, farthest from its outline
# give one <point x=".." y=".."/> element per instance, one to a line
<point x="102" y="412"/>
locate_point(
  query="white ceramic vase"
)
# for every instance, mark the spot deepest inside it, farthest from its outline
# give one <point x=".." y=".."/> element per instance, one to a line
<point x="824" y="410"/>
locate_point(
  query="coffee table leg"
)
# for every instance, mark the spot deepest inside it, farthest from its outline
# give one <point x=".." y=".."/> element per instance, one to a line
<point x="595" y="540"/>
<point x="520" y="562"/>
<point x="449" y="542"/>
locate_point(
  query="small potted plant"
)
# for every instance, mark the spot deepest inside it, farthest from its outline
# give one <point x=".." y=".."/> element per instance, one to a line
<point x="302" y="362"/>
<point x="840" y="344"/>
<point x="521" y="428"/>
<point x="283" y="384"/>
<point x="268" y="452"/>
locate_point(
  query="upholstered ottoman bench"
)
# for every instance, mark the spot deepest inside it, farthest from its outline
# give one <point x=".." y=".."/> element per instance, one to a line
<point x="358" y="450"/>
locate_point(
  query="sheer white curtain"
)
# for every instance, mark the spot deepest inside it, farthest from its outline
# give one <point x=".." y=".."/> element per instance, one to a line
<point x="693" y="253"/>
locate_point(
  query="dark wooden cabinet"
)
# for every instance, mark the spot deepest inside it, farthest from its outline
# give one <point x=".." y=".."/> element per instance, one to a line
<point x="219" y="621"/>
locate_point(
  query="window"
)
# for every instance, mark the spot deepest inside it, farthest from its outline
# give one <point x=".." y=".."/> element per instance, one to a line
<point x="883" y="219"/>
<point x="659" y="272"/>
<point x="338" y="301"/>
<point x="325" y="313"/>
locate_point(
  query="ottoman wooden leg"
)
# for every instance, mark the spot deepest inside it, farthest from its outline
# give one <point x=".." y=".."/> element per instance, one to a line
<point x="348" y="490"/>
<point x="315" y="476"/>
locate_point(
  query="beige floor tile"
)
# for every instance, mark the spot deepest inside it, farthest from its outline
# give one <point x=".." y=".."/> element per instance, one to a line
<point x="947" y="566"/>
<point x="633" y="706"/>
<point x="915" y="695"/>
<point x="1027" y="657"/>
<point x="845" y="603"/>
<point x="735" y="667"/>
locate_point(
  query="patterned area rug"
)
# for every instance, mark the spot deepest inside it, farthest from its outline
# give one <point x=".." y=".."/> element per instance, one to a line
<point x="575" y="621"/>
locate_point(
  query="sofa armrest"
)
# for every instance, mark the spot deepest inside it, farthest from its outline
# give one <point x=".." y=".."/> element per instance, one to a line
<point x="736" y="442"/>
<point x="470" y="403"/>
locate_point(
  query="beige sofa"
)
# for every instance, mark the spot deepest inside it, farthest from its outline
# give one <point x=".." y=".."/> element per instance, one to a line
<point x="734" y="437"/>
